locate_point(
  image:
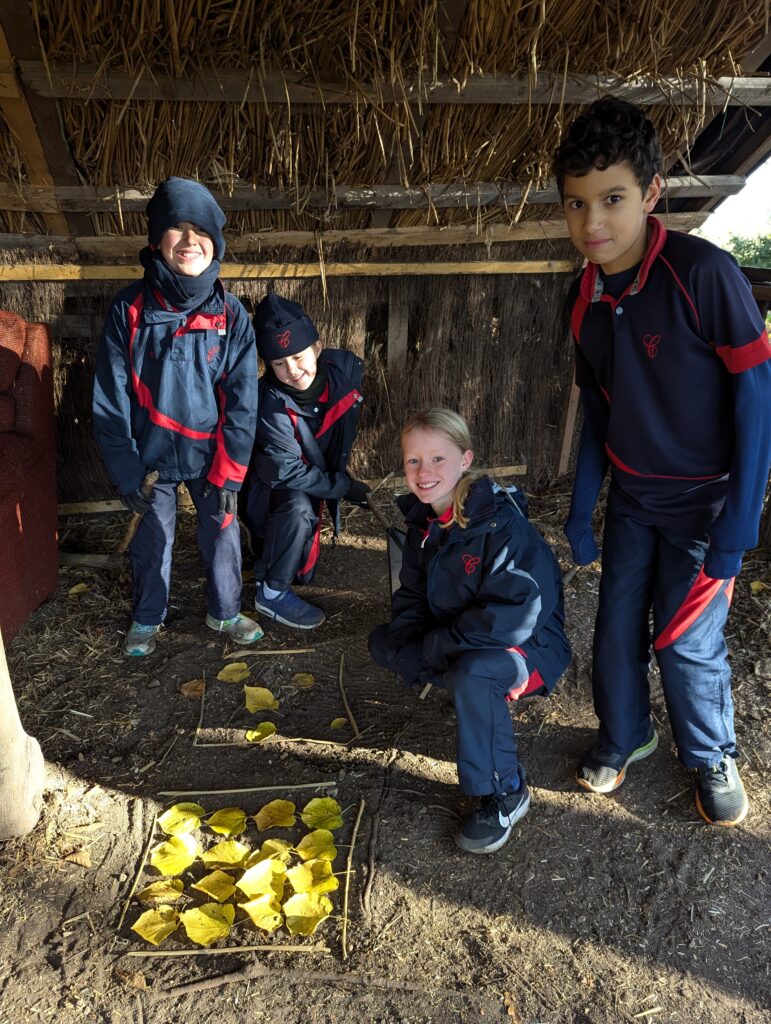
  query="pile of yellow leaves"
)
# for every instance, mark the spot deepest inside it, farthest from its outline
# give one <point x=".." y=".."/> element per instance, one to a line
<point x="274" y="883"/>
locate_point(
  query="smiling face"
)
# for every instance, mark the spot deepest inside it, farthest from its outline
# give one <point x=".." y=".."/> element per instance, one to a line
<point x="606" y="213"/>
<point x="187" y="249"/>
<point x="298" y="371"/>
<point x="433" y="465"/>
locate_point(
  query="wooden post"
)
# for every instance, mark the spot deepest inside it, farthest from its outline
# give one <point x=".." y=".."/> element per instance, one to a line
<point x="398" y="327"/>
<point x="571" y="412"/>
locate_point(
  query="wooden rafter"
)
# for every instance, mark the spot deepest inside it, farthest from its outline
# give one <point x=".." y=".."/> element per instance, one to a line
<point x="228" y="85"/>
<point x="133" y="199"/>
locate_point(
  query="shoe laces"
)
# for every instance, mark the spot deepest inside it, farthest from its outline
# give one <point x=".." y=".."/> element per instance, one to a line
<point x="718" y="772"/>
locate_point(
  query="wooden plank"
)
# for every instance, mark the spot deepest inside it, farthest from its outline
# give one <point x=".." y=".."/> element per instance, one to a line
<point x="111" y="198"/>
<point x="128" y="246"/>
<point x="256" y="271"/>
<point x="566" y="445"/>
<point x="245" y="85"/>
<point x="398" y="329"/>
<point x="85" y="508"/>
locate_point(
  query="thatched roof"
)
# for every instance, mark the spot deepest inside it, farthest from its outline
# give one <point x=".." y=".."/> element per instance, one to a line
<point x="385" y="58"/>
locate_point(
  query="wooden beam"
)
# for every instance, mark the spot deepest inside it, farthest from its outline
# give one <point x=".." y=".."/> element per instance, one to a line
<point x="128" y="246"/>
<point x="38" y="127"/>
<point x="234" y="85"/>
<point x="261" y="271"/>
<point x="568" y="430"/>
<point x="133" y="199"/>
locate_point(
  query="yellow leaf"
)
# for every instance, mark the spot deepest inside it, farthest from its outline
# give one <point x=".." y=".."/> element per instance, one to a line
<point x="219" y="885"/>
<point x="181" y="819"/>
<point x="303" y="680"/>
<point x="175" y="855"/>
<point x="228" y="854"/>
<point x="265" y="912"/>
<point x="259" y="698"/>
<point x="79" y="588"/>
<point x="235" y="673"/>
<point x="276" y="814"/>
<point x="230" y="821"/>
<point x="278" y="848"/>
<point x="155" y="925"/>
<point x="304" y="912"/>
<point x="338" y="723"/>
<point x="313" y="876"/>
<point x="193" y="689"/>
<point x="168" y="890"/>
<point x="80" y="857"/>
<point x="268" y="876"/>
<point x="322" y="812"/>
<point x="317" y="845"/>
<point x="205" y="925"/>
<point x="263" y="730"/>
<point x="756" y="586"/>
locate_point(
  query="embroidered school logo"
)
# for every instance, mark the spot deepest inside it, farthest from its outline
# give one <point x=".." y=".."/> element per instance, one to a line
<point x="651" y="342"/>
<point x="283" y="339"/>
<point x="470" y="563"/>
<point x="212" y="353"/>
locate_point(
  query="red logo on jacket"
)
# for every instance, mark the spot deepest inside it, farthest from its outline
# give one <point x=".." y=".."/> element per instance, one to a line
<point x="283" y="339"/>
<point x="212" y="353"/>
<point x="651" y="342"/>
<point x="470" y="563"/>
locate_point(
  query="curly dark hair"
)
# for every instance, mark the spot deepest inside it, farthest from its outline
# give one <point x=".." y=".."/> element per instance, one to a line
<point x="609" y="132"/>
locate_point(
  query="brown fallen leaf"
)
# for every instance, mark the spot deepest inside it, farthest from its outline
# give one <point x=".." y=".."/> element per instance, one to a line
<point x="192" y="689"/>
<point x="511" y="1008"/>
<point x="131" y="979"/>
<point x="81" y="857"/>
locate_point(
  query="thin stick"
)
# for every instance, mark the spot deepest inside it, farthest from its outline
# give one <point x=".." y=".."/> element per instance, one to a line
<point x="351" y="719"/>
<point x="140" y="869"/>
<point x="344" y="939"/>
<point x="292" y="650"/>
<point x="227" y="949"/>
<point x="245" y="789"/>
<point x="425" y="691"/>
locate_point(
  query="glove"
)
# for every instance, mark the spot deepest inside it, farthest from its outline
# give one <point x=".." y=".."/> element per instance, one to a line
<point x="357" y="493"/>
<point x="137" y="502"/>
<point x="227" y="501"/>
<point x="582" y="543"/>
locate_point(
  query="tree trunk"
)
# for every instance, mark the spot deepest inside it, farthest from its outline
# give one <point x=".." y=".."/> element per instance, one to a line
<point x="22" y="770"/>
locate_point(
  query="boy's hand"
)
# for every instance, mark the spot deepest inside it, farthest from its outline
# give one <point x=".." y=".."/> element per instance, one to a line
<point x="582" y="543"/>
<point x="137" y="501"/>
<point x="227" y="501"/>
<point x="357" y="493"/>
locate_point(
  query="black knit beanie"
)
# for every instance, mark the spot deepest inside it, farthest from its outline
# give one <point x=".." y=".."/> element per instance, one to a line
<point x="282" y="328"/>
<point x="178" y="199"/>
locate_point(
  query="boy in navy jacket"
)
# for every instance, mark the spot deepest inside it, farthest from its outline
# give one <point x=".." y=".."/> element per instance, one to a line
<point x="309" y="409"/>
<point x="175" y="399"/>
<point x="479" y="610"/>
<point x="674" y="366"/>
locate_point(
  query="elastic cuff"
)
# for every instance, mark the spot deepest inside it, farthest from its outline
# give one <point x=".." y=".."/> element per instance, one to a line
<point x="722" y="565"/>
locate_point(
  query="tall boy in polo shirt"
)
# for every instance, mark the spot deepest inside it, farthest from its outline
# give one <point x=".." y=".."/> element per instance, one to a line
<point x="674" y="367"/>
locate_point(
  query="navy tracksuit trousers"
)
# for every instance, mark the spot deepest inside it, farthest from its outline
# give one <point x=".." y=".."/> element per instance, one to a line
<point x="478" y="684"/>
<point x="150" y="552"/>
<point x="282" y="523"/>
<point x="654" y="568"/>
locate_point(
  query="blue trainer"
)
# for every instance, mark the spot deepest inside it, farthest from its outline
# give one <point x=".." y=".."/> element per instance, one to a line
<point x="240" y="628"/>
<point x="289" y="609"/>
<point x="140" y="640"/>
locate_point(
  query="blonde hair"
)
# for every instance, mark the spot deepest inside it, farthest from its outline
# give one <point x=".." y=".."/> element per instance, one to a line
<point x="454" y="428"/>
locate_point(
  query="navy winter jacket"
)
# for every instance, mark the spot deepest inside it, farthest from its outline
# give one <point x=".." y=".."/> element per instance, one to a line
<point x="175" y="392"/>
<point x="493" y="585"/>
<point x="306" y="447"/>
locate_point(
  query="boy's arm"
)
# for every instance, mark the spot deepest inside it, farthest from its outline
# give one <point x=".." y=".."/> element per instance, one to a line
<point x="736" y="528"/>
<point x="591" y="466"/>
<point x="237" y="399"/>
<point x="410" y="611"/>
<point x="504" y="613"/>
<point x="111" y="403"/>
<point x="276" y="439"/>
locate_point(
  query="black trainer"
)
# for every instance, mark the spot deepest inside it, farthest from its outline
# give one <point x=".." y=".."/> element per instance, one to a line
<point x="489" y="826"/>
<point x="596" y="776"/>
<point x="720" y="795"/>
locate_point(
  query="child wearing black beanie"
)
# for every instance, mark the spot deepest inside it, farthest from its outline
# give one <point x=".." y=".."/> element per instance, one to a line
<point x="308" y="412"/>
<point x="175" y="399"/>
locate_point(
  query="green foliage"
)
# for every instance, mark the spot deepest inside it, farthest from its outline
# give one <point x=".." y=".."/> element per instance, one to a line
<point x="751" y="252"/>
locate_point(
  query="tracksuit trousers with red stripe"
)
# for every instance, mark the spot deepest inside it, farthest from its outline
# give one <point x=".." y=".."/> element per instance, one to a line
<point x="283" y="527"/>
<point x="657" y="568"/>
<point x="219" y="542"/>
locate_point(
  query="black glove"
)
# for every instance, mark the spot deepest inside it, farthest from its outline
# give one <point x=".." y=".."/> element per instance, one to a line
<point x="227" y="501"/>
<point x="357" y="493"/>
<point x="136" y="501"/>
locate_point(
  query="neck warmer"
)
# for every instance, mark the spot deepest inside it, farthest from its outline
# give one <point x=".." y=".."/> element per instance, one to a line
<point x="185" y="293"/>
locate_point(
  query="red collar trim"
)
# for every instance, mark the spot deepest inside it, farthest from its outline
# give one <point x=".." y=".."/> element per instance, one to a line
<point x="658" y="238"/>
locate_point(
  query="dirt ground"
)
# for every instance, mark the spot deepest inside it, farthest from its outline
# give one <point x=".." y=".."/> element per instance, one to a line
<point x="599" y="910"/>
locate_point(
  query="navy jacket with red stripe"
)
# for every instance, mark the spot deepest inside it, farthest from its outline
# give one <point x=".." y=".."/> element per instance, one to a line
<point x="306" y="447"/>
<point x="175" y="392"/>
<point x="676" y="382"/>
